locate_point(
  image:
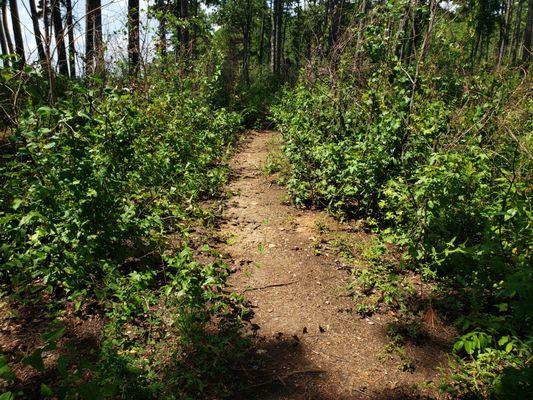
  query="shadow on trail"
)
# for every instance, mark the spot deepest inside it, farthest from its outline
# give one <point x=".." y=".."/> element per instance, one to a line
<point x="278" y="369"/>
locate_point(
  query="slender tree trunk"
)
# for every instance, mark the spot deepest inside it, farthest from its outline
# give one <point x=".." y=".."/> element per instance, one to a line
<point x="133" y="37"/>
<point x="162" y="29"/>
<point x="9" y="42"/>
<point x="37" y="32"/>
<point x="47" y="30"/>
<point x="528" y="33"/>
<point x="17" y="32"/>
<point x="273" y="41"/>
<point x="185" y="30"/>
<point x="504" y="37"/>
<point x="335" y="23"/>
<point x="517" y="31"/>
<point x="246" y="54"/>
<point x="278" y="37"/>
<point x="71" y="44"/>
<point x="262" y="38"/>
<point x="3" y="42"/>
<point x="89" y="37"/>
<point x="98" y="38"/>
<point x="60" y="38"/>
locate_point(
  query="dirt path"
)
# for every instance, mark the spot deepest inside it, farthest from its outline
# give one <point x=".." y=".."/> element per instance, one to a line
<point x="310" y="345"/>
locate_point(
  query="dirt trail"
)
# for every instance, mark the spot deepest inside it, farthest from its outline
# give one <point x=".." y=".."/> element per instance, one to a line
<point x="309" y="343"/>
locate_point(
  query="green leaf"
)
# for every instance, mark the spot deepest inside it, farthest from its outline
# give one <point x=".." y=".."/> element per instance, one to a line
<point x="509" y="347"/>
<point x="17" y="203"/>
<point x="469" y="347"/>
<point x="46" y="390"/>
<point x="5" y="369"/>
<point x="503" y="340"/>
<point x="51" y="337"/>
<point x="7" y="396"/>
<point x="35" y="360"/>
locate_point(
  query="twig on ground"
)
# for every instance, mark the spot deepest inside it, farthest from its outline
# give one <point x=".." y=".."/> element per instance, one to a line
<point x="271" y="286"/>
<point x="288" y="375"/>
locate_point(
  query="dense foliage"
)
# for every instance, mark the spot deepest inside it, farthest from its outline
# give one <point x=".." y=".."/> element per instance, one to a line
<point x="412" y="115"/>
<point x="98" y="193"/>
<point x="440" y="158"/>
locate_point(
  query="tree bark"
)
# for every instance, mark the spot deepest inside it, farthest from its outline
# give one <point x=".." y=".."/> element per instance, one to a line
<point x="17" y="32"/>
<point x="9" y="42"/>
<point x="3" y="42"/>
<point x="262" y="38"/>
<point x="504" y="36"/>
<point x="162" y="29"/>
<point x="133" y="37"/>
<point x="98" y="37"/>
<point x="528" y="33"/>
<point x="89" y="37"/>
<point x="273" y="41"/>
<point x="517" y="31"/>
<point x="276" y="36"/>
<point x="71" y="44"/>
<point x="37" y="32"/>
<point x="60" y="38"/>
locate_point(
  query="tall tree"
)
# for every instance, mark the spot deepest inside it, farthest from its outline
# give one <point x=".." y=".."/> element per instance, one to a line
<point x="182" y="36"/>
<point x="133" y="37"/>
<point x="161" y="9"/>
<point x="528" y="34"/>
<point x="17" y="31"/>
<point x="47" y="28"/>
<point x="70" y="33"/>
<point x="37" y="32"/>
<point x="276" y="36"/>
<point x="98" y="37"/>
<point x="89" y="37"/>
<point x="504" y="31"/>
<point x="5" y="24"/>
<point x="3" y="42"/>
<point x="59" y="38"/>
<point x="517" y="31"/>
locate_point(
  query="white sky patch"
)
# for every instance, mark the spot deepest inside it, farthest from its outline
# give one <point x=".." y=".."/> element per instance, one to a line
<point x="114" y="18"/>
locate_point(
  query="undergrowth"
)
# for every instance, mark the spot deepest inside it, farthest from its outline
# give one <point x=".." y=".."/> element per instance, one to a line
<point x="443" y="167"/>
<point x="98" y="195"/>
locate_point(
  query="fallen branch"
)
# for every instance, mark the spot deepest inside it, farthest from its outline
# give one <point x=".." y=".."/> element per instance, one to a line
<point x="288" y="375"/>
<point x="271" y="286"/>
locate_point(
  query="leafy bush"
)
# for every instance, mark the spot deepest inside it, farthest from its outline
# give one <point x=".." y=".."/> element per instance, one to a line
<point x="447" y="176"/>
<point x="98" y="193"/>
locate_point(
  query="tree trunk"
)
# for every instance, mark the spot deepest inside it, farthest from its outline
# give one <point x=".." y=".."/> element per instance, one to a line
<point x="98" y="38"/>
<point x="184" y="39"/>
<point x="262" y="38"/>
<point x="9" y="42"/>
<point x="133" y="37"/>
<point x="246" y="43"/>
<point x="89" y="37"/>
<point x="47" y="30"/>
<point x="3" y="42"/>
<point x="162" y="29"/>
<point x="37" y="32"/>
<point x="273" y="41"/>
<point x="276" y="45"/>
<point x="60" y="38"/>
<point x="517" y="31"/>
<point x="528" y="33"/>
<point x="17" y="32"/>
<point x="335" y="13"/>
<point x="504" y="36"/>
<point x="71" y="45"/>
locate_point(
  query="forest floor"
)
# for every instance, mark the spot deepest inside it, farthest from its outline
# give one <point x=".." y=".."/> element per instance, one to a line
<point x="309" y="343"/>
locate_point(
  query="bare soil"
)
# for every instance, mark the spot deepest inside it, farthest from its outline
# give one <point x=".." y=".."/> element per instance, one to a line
<point x="309" y="344"/>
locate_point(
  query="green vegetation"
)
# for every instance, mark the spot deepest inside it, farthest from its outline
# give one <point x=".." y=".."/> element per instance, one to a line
<point x="414" y="116"/>
<point x="439" y="157"/>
